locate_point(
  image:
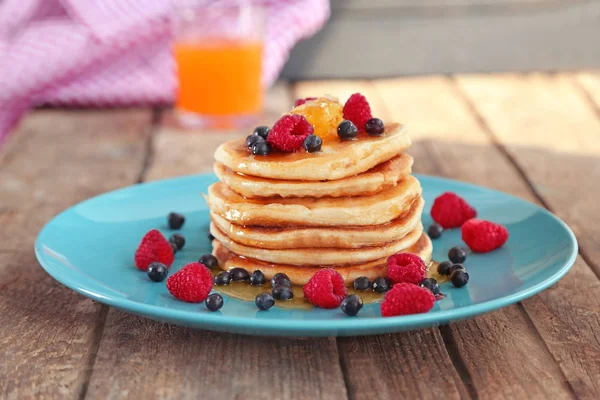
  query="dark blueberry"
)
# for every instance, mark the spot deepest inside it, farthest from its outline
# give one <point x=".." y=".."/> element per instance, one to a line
<point x="264" y="301"/>
<point x="362" y="283"/>
<point x="312" y="144"/>
<point x="174" y="247"/>
<point x="351" y="305"/>
<point x="157" y="272"/>
<point x="347" y="130"/>
<point x="457" y="255"/>
<point x="459" y="278"/>
<point x="252" y="140"/>
<point x="431" y="284"/>
<point x="262" y="131"/>
<point x="209" y="261"/>
<point x="456" y="267"/>
<point x="281" y="279"/>
<point x="381" y="285"/>
<point x="374" y="127"/>
<point x="239" y="274"/>
<point x="223" y="278"/>
<point x="435" y="230"/>
<point x="175" y="220"/>
<point x="444" y="268"/>
<point x="261" y="149"/>
<point x="178" y="239"/>
<point x="210" y="236"/>
<point x="214" y="302"/>
<point x="282" y="292"/>
<point x="257" y="278"/>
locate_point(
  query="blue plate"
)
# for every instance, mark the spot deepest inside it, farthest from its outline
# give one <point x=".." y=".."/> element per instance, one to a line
<point x="89" y="248"/>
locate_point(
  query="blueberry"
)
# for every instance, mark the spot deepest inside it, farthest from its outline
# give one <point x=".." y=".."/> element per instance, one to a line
<point x="239" y="274"/>
<point x="312" y="144"/>
<point x="252" y="140"/>
<point x="262" y="131"/>
<point x="351" y="305"/>
<point x="281" y="279"/>
<point x="456" y="267"/>
<point x="209" y="261"/>
<point x="374" y="127"/>
<point x="157" y="272"/>
<point x="223" y="278"/>
<point x="261" y="149"/>
<point x="431" y="284"/>
<point x="174" y="247"/>
<point x="264" y="301"/>
<point x="178" y="239"/>
<point x="362" y="283"/>
<point x="175" y="220"/>
<point x="347" y="130"/>
<point x="435" y="230"/>
<point x="459" y="278"/>
<point x="214" y="302"/>
<point x="457" y="255"/>
<point x="381" y="285"/>
<point x="444" y="268"/>
<point x="257" y="278"/>
<point x="281" y="292"/>
<point x="210" y="236"/>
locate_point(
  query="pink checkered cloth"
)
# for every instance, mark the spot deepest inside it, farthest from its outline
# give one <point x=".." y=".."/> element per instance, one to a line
<point x="114" y="52"/>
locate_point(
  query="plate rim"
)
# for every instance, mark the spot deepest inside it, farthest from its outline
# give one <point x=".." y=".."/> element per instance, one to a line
<point x="307" y="327"/>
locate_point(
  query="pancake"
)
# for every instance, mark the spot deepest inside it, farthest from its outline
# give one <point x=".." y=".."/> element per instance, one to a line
<point x="301" y="275"/>
<point x="321" y="255"/>
<point x="377" y="209"/>
<point x="370" y="182"/>
<point x="350" y="237"/>
<point x="336" y="160"/>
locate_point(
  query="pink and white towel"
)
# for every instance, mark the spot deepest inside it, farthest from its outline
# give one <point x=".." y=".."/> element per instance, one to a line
<point x="114" y="52"/>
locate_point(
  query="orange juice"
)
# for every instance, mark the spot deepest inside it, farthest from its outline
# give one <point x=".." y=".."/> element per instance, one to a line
<point x="219" y="77"/>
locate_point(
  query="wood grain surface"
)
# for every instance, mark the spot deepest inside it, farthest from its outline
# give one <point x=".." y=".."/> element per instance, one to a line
<point x="536" y="136"/>
<point x="48" y="333"/>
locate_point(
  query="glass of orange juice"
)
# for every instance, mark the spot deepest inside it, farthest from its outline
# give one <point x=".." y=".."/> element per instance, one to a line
<point x="218" y="48"/>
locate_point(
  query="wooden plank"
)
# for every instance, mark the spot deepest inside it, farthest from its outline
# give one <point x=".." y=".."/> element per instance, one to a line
<point x="155" y="360"/>
<point x="419" y="364"/>
<point x="552" y="134"/>
<point x="448" y="141"/>
<point x="48" y="333"/>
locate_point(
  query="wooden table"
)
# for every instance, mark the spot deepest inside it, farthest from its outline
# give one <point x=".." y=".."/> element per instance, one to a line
<point x="536" y="136"/>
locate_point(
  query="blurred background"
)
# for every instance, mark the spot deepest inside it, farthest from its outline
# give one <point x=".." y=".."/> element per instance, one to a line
<point x="214" y="59"/>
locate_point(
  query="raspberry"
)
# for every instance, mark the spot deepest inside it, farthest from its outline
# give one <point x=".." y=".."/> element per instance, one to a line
<point x="406" y="268"/>
<point x="451" y="211"/>
<point x="483" y="236"/>
<point x="299" y="102"/>
<point x="326" y="289"/>
<point x="358" y="110"/>
<point x="406" y="298"/>
<point x="153" y="248"/>
<point x="289" y="132"/>
<point x="192" y="283"/>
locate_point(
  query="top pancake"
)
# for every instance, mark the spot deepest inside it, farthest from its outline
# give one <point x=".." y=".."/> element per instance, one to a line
<point x="336" y="160"/>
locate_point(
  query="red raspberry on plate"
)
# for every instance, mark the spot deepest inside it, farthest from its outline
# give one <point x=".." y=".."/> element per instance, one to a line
<point x="406" y="298"/>
<point x="192" y="283"/>
<point x="299" y="102"/>
<point x="153" y="248"/>
<point x="325" y="289"/>
<point x="451" y="211"/>
<point x="357" y="110"/>
<point x="406" y="268"/>
<point x="483" y="236"/>
<point x="289" y="132"/>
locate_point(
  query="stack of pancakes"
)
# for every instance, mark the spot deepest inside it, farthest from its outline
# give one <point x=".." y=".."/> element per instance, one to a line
<point x="348" y="207"/>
